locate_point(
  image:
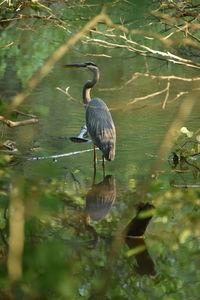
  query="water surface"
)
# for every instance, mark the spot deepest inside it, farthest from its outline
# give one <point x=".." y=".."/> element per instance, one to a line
<point x="73" y="222"/>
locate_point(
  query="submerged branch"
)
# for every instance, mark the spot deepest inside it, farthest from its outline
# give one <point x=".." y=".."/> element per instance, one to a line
<point x="60" y="155"/>
<point x="25" y="114"/>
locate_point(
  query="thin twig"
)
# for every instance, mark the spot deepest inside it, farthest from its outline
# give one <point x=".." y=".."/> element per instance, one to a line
<point x="180" y="94"/>
<point x="170" y="77"/>
<point x="25" y="114"/>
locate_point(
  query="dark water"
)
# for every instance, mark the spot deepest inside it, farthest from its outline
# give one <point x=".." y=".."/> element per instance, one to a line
<point x="73" y="237"/>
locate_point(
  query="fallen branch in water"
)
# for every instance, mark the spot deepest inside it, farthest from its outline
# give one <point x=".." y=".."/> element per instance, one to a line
<point x="60" y="155"/>
<point x="24" y="114"/>
<point x="8" y="145"/>
<point x="10" y="123"/>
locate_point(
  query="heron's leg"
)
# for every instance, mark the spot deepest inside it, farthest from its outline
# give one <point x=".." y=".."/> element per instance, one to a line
<point x="103" y="165"/>
<point x="94" y="176"/>
<point x="95" y="158"/>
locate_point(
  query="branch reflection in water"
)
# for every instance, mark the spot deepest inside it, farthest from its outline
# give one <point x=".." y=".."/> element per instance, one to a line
<point x="135" y="239"/>
<point x="99" y="201"/>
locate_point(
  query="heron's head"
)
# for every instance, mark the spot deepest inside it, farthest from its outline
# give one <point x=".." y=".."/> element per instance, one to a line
<point x="88" y="65"/>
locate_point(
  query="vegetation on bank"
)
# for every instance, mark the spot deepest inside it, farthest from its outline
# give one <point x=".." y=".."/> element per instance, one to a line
<point x="48" y="250"/>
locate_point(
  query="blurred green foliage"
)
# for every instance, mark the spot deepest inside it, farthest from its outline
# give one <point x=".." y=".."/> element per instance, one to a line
<point x="63" y="258"/>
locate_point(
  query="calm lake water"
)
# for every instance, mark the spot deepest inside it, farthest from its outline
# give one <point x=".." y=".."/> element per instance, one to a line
<point x="140" y="127"/>
<point x="113" y="204"/>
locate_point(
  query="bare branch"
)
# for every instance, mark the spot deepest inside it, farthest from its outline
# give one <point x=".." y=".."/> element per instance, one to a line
<point x="180" y="94"/>
<point x="167" y="95"/>
<point x="24" y="114"/>
<point x="10" y="123"/>
<point x="7" y="45"/>
<point x="143" y="49"/>
<point x="66" y="92"/>
<point x="149" y="96"/>
<point x="137" y="74"/>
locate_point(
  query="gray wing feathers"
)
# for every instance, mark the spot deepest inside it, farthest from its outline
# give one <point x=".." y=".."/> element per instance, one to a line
<point x="101" y="127"/>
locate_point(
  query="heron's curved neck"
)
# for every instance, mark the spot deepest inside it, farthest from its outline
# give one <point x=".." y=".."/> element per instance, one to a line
<point x="89" y="84"/>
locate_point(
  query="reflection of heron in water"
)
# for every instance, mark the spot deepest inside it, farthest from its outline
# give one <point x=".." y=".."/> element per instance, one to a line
<point x="135" y="238"/>
<point x="98" y="118"/>
<point x="99" y="201"/>
<point x="100" y="198"/>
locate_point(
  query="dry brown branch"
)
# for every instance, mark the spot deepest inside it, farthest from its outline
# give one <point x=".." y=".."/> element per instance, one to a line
<point x="150" y="95"/>
<point x="9" y="145"/>
<point x="170" y="21"/>
<point x="180" y="94"/>
<point x="7" y="45"/>
<point x="142" y="49"/>
<point x="186" y="32"/>
<point x="167" y="95"/>
<point x="130" y="45"/>
<point x="25" y="114"/>
<point x="109" y="45"/>
<point x="170" y="77"/>
<point x="137" y="75"/>
<point x="96" y="55"/>
<point x="167" y="89"/>
<point x="170" y="56"/>
<point x="10" y="123"/>
<point x="21" y="16"/>
<point x="162" y="77"/>
<point x="66" y="92"/>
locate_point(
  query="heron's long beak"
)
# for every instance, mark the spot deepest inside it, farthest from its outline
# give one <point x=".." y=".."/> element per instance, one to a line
<point x="75" y="65"/>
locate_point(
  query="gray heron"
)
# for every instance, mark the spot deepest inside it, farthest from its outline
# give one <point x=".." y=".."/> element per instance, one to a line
<point x="99" y="121"/>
